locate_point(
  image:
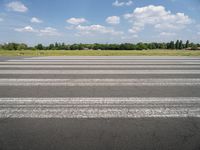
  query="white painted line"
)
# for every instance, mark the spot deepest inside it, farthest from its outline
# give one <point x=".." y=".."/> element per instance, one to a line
<point x="100" y="82"/>
<point x="99" y="63"/>
<point x="114" y="57"/>
<point x="101" y="66"/>
<point x="99" y="113"/>
<point x="133" y="107"/>
<point x="100" y="100"/>
<point x="99" y="60"/>
<point x="100" y="72"/>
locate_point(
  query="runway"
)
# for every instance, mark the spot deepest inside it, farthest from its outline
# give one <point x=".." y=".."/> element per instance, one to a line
<point x="100" y="92"/>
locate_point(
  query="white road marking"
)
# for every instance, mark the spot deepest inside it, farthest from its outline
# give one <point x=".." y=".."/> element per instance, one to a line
<point x="133" y="107"/>
<point x="114" y="57"/>
<point x="101" y="66"/>
<point x="100" y="72"/>
<point x="100" y="82"/>
<point x="100" y="60"/>
<point x="51" y="62"/>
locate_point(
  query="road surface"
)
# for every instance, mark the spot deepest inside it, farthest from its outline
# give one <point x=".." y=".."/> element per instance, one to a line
<point x="100" y="103"/>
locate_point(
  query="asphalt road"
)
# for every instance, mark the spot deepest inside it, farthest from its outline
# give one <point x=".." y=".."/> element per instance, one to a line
<point x="144" y="103"/>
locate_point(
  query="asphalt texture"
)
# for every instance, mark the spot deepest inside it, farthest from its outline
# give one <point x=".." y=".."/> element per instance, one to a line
<point x="146" y="115"/>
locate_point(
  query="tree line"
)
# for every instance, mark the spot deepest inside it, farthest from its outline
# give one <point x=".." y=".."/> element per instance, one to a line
<point x="179" y="45"/>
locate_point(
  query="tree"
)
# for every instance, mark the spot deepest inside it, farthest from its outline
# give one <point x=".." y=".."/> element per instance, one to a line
<point x="22" y="46"/>
<point x="39" y="47"/>
<point x="51" y="47"/>
<point x="63" y="46"/>
<point x="177" y="44"/>
<point x="181" y="45"/>
<point x="187" y="44"/>
<point x="194" y="46"/>
<point x="56" y="45"/>
<point x="141" y="46"/>
<point x="74" y="47"/>
<point x="124" y="46"/>
<point x="171" y="45"/>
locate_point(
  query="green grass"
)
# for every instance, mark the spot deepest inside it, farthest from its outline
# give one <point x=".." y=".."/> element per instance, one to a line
<point x="100" y="53"/>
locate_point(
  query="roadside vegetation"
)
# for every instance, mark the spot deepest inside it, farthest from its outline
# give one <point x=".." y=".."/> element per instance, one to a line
<point x="179" y="45"/>
<point x="99" y="53"/>
<point x="172" y="48"/>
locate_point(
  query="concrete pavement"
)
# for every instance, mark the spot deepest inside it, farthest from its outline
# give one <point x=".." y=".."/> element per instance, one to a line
<point x="102" y="102"/>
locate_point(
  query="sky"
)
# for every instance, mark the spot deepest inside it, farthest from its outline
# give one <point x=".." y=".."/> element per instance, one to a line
<point x="99" y="21"/>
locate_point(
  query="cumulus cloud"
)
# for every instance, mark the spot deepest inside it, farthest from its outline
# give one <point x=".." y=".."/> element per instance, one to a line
<point x="167" y="34"/>
<point x="76" y="21"/>
<point x="17" y="6"/>
<point x="36" y="20"/>
<point x="113" y="20"/>
<point x="134" y="36"/>
<point x="92" y="29"/>
<point x="26" y="29"/>
<point x="69" y="27"/>
<point x="48" y="31"/>
<point x="158" y="17"/>
<point x="118" y="3"/>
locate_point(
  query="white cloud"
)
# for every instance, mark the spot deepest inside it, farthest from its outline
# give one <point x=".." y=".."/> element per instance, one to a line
<point x="49" y="31"/>
<point x="134" y="36"/>
<point x="92" y="29"/>
<point x="168" y="26"/>
<point x="135" y="29"/>
<point x="36" y="20"/>
<point x="198" y="26"/>
<point x="76" y="21"/>
<point x="113" y="20"/>
<point x="158" y="17"/>
<point x="26" y="29"/>
<point x="198" y="33"/>
<point x="1" y="19"/>
<point x="17" y="6"/>
<point x="167" y="34"/>
<point x="118" y="3"/>
<point x="69" y="27"/>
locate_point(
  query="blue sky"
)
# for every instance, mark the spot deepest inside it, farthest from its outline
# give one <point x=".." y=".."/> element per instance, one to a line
<point x="99" y="21"/>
